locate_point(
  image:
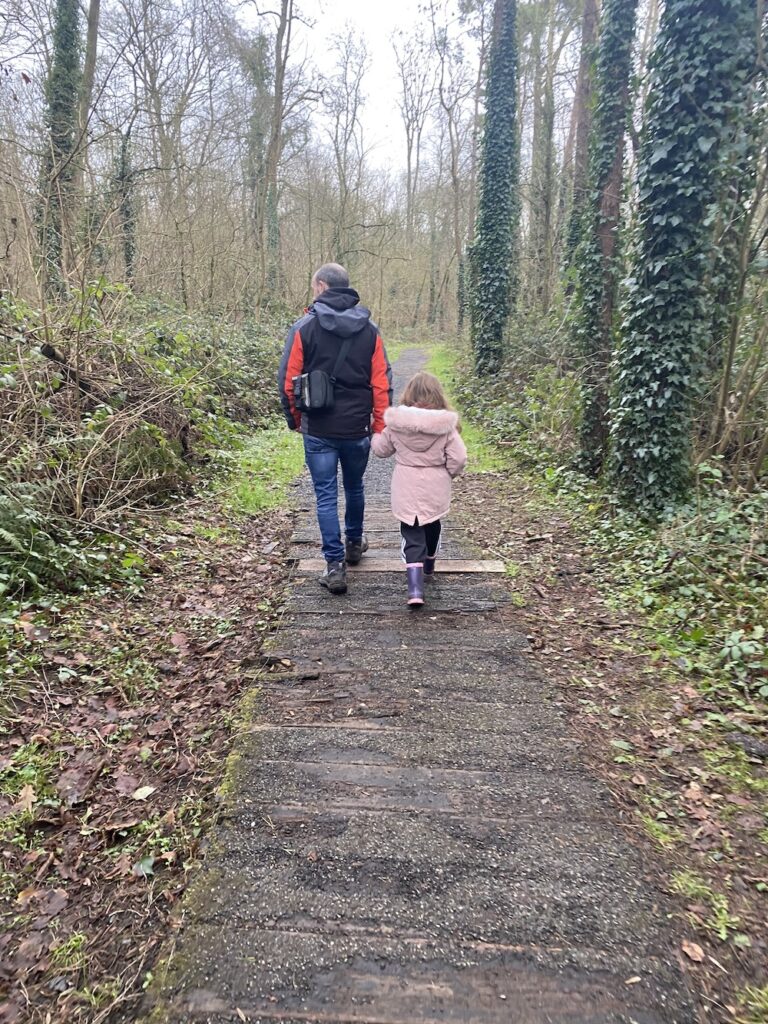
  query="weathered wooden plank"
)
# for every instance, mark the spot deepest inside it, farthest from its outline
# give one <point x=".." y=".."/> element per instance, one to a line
<point x="444" y="565"/>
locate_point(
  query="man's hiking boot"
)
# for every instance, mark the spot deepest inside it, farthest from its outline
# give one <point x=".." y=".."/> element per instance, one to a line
<point x="356" y="549"/>
<point x="334" y="578"/>
<point x="415" y="584"/>
<point x="429" y="567"/>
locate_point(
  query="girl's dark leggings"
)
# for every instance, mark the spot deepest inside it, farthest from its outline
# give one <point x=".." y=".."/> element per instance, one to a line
<point x="419" y="542"/>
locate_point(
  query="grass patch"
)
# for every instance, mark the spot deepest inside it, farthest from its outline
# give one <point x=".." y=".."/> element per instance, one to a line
<point x="665" y="835"/>
<point x="483" y="455"/>
<point x="70" y="955"/>
<point x="264" y="468"/>
<point x="754" y="1004"/>
<point x="720" y="920"/>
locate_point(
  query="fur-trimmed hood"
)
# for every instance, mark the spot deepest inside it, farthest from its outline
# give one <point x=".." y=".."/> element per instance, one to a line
<point x="408" y="419"/>
<point x="420" y="429"/>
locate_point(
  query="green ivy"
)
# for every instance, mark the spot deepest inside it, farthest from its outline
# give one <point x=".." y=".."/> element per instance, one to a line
<point x="62" y="90"/>
<point x="597" y="256"/>
<point x="702" y="64"/>
<point x="492" y="271"/>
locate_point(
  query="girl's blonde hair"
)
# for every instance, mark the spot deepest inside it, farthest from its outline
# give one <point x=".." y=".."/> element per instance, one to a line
<point x="424" y="391"/>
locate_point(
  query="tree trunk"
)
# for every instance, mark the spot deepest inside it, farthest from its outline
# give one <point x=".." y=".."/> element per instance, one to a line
<point x="493" y="274"/>
<point x="711" y="48"/>
<point x="596" y="257"/>
<point x="582" y="121"/>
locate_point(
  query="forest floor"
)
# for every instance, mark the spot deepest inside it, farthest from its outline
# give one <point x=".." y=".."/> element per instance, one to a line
<point x="511" y="786"/>
<point x="119" y="731"/>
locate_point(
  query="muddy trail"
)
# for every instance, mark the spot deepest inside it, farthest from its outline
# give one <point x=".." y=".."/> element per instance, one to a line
<point x="410" y="833"/>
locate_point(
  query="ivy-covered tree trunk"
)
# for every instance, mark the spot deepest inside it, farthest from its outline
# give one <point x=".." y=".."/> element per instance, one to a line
<point x="493" y="272"/>
<point x="126" y="205"/>
<point x="62" y="92"/>
<point x="703" y="61"/>
<point x="582" y="124"/>
<point x="596" y="257"/>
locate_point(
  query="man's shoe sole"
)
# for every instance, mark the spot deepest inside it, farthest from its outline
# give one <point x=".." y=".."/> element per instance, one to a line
<point x="334" y="588"/>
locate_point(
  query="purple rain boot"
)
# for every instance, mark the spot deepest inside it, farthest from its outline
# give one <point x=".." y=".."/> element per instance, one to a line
<point x="429" y="566"/>
<point x="415" y="573"/>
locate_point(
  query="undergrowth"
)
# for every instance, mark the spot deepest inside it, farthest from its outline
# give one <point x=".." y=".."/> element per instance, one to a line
<point x="700" y="574"/>
<point x="110" y="406"/>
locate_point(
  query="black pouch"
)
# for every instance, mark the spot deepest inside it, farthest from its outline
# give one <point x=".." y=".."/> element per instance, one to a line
<point x="314" y="391"/>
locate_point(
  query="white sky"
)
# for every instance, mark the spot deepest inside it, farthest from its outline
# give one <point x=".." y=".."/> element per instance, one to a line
<point x="375" y="21"/>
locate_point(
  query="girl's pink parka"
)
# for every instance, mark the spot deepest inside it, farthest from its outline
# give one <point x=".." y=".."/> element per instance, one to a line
<point x="429" y="453"/>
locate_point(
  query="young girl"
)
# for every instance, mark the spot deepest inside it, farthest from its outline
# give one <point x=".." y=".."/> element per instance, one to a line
<point x="423" y="435"/>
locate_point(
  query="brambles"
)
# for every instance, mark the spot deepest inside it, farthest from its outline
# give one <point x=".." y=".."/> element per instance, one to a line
<point x="111" y="408"/>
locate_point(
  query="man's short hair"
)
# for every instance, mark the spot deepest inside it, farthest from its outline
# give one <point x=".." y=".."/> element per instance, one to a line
<point x="332" y="274"/>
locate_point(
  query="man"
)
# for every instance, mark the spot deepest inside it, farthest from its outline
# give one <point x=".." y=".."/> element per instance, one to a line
<point x="341" y="434"/>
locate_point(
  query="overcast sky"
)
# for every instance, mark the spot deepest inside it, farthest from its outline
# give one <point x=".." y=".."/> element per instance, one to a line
<point x="375" y="21"/>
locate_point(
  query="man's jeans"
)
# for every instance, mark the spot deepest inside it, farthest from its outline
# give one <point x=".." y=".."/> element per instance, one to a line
<point x="323" y="455"/>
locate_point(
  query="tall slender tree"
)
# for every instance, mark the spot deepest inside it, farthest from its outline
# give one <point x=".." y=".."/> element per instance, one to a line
<point x="493" y="269"/>
<point x="62" y="92"/>
<point x="581" y="127"/>
<point x="596" y="258"/>
<point x="703" y="62"/>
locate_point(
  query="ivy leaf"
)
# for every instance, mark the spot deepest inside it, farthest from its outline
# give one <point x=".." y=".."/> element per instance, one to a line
<point x="622" y="745"/>
<point x="144" y="868"/>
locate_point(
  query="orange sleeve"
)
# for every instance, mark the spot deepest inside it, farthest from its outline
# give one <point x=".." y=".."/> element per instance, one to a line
<point x="293" y="368"/>
<point x="379" y="384"/>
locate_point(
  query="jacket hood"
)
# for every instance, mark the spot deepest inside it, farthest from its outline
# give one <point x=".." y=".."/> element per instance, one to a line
<point x="338" y="310"/>
<point x="420" y="427"/>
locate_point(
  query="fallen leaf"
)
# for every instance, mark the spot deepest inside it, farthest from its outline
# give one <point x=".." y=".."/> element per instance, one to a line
<point x="27" y="798"/>
<point x="50" y="906"/>
<point x="180" y="642"/>
<point x="739" y="801"/>
<point x="634" y="980"/>
<point x="751" y="822"/>
<point x="72" y="784"/>
<point x="126" y="784"/>
<point x="639" y="779"/>
<point x="143" y="792"/>
<point x="240" y="1013"/>
<point x="621" y="745"/>
<point x="693" y="951"/>
<point x="26" y="895"/>
<point x="693" y="792"/>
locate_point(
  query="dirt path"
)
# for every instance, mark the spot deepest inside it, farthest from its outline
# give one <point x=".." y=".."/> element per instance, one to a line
<point x="410" y="833"/>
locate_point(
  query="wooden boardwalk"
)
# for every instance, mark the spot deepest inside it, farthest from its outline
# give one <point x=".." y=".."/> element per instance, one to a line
<point x="409" y="835"/>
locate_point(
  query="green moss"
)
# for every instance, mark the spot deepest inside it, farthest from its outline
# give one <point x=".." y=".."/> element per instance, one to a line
<point x="733" y="764"/>
<point x="691" y="886"/>
<point x="665" y="835"/>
